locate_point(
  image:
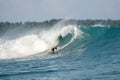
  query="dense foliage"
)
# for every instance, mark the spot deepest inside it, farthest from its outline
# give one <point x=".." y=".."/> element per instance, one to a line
<point x="47" y="23"/>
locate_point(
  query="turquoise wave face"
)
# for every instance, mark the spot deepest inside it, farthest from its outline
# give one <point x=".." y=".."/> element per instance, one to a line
<point x="101" y="35"/>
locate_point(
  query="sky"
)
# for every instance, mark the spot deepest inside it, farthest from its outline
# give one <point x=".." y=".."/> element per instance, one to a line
<point x="40" y="10"/>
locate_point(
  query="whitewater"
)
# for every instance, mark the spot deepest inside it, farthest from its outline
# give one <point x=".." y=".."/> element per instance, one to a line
<point x="84" y="53"/>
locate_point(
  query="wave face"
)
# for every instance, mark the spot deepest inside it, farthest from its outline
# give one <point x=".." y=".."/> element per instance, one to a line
<point x="91" y="52"/>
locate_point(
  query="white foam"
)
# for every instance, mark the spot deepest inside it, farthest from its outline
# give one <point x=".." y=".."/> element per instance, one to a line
<point x="98" y="25"/>
<point x="24" y="46"/>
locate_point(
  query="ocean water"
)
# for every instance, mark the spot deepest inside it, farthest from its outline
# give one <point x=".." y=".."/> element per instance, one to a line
<point x="84" y="53"/>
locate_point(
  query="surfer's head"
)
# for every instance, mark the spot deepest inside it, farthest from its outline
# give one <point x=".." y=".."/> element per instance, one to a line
<point x="53" y="49"/>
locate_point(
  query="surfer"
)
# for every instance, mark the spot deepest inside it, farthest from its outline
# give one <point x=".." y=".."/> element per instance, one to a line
<point x="54" y="48"/>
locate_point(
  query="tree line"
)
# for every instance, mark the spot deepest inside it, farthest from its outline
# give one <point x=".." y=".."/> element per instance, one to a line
<point x="47" y="23"/>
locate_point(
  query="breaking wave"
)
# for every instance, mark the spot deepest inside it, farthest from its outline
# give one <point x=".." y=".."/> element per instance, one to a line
<point x="24" y="43"/>
<point x="41" y="43"/>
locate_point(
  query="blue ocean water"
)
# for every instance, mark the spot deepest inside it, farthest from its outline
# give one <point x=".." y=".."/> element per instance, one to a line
<point x="84" y="53"/>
